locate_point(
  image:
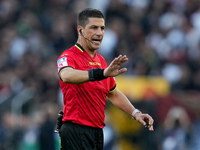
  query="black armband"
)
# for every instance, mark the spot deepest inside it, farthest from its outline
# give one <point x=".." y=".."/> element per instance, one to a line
<point x="96" y="74"/>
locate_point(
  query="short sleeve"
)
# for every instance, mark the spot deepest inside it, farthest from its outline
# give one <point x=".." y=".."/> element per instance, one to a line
<point x="112" y="84"/>
<point x="64" y="61"/>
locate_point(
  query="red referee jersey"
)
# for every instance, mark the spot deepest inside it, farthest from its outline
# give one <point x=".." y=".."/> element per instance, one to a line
<point x="84" y="103"/>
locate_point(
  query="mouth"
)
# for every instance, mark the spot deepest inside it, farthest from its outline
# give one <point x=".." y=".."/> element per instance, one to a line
<point x="96" y="40"/>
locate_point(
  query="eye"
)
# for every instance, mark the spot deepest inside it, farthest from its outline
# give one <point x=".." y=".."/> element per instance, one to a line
<point x="102" y="28"/>
<point x="94" y="27"/>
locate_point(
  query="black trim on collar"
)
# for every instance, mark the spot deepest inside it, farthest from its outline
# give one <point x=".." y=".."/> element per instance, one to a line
<point x="80" y="46"/>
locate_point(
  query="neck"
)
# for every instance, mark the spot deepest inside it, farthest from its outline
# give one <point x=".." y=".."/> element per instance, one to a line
<point x="86" y="47"/>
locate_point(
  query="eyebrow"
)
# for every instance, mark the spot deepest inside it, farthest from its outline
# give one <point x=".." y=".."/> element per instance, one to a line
<point x="97" y="26"/>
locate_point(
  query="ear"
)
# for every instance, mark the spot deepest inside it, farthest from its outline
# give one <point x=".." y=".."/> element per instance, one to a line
<point x="79" y="29"/>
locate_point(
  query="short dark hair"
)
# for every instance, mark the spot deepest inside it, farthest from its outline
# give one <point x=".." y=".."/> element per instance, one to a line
<point x="88" y="13"/>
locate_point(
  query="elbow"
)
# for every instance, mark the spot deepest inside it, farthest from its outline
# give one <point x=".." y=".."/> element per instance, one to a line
<point x="66" y="80"/>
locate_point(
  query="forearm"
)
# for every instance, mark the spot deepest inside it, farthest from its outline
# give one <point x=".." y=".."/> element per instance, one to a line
<point x="121" y="101"/>
<point x="74" y="76"/>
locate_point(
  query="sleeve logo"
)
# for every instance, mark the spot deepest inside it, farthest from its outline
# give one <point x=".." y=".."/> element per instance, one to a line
<point x="62" y="62"/>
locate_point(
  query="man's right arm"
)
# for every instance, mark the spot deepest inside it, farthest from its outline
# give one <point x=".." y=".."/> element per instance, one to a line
<point x="74" y="76"/>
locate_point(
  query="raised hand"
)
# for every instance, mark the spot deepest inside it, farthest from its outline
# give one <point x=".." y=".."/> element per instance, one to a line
<point x="114" y="68"/>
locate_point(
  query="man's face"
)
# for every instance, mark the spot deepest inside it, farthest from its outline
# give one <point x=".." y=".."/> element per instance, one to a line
<point x="94" y="31"/>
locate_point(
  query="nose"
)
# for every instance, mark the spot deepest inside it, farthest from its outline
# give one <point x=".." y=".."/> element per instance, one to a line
<point x="99" y="31"/>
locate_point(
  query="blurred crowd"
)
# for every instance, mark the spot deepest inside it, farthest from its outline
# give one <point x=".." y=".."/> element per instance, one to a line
<point x="160" y="38"/>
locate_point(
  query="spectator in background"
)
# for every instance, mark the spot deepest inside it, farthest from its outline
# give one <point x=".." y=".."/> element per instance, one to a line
<point x="46" y="137"/>
<point x="176" y="130"/>
<point x="195" y="138"/>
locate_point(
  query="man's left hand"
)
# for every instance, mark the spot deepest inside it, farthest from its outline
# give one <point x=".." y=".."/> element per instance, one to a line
<point x="145" y="119"/>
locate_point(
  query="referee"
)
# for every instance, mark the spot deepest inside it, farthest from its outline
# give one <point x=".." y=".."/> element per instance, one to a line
<point x="86" y="81"/>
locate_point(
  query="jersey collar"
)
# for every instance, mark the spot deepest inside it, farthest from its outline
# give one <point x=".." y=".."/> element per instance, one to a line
<point x="79" y="47"/>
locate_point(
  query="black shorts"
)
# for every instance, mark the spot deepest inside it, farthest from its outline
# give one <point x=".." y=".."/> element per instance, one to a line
<point x="79" y="137"/>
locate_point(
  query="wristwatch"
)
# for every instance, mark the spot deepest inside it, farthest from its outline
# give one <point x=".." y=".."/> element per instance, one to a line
<point x="134" y="112"/>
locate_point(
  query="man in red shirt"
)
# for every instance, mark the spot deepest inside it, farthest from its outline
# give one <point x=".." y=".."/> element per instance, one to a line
<point x="86" y="81"/>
